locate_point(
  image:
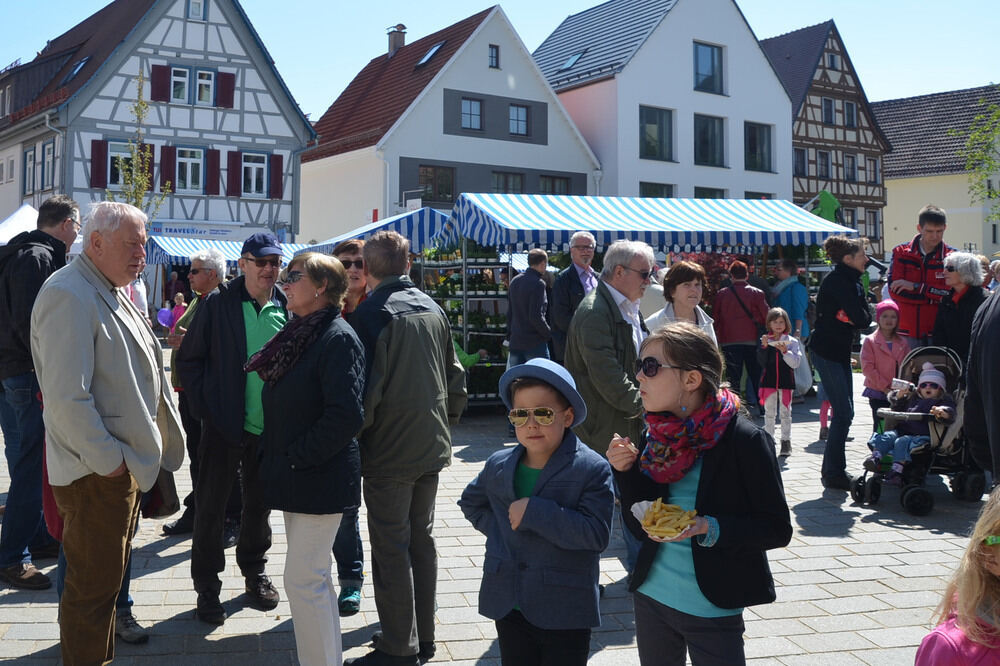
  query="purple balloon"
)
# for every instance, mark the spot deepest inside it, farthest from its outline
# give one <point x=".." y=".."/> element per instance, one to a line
<point x="165" y="317"/>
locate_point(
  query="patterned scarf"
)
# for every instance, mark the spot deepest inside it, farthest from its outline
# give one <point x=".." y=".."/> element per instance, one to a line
<point x="281" y="352"/>
<point x="674" y="443"/>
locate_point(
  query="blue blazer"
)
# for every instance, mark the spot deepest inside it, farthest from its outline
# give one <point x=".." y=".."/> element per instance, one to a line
<point x="549" y="567"/>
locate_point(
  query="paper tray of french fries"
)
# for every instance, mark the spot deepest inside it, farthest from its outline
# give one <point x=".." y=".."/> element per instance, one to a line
<point x="663" y="520"/>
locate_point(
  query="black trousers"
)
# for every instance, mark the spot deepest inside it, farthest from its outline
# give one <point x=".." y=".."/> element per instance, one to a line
<point x="664" y="634"/>
<point x="877" y="403"/>
<point x="192" y="433"/>
<point x="218" y="460"/>
<point x="524" y="644"/>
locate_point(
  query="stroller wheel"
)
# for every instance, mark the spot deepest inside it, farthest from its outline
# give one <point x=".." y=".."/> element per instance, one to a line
<point x="858" y="489"/>
<point x="959" y="482"/>
<point x="975" y="486"/>
<point x="873" y="490"/>
<point x="916" y="500"/>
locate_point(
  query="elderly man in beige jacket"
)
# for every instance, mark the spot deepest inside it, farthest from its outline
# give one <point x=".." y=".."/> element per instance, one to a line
<point x="109" y="420"/>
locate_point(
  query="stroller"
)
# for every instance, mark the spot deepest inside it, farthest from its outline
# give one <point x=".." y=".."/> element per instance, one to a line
<point x="946" y="453"/>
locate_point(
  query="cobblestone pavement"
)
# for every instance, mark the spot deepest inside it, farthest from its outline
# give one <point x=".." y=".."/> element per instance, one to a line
<point x="857" y="585"/>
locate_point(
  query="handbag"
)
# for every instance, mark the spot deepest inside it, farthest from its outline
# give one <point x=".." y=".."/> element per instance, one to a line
<point x="761" y="329"/>
<point x="162" y="500"/>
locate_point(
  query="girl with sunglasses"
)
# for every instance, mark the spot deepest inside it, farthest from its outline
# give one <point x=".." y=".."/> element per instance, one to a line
<point x="700" y="452"/>
<point x="968" y="631"/>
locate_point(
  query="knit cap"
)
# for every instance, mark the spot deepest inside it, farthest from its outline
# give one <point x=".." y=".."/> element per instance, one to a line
<point x="887" y="304"/>
<point x="929" y="373"/>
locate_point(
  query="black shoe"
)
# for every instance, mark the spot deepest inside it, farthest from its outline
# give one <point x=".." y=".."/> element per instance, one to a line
<point x="183" y="525"/>
<point x="25" y="576"/>
<point x="378" y="658"/>
<point x="230" y="534"/>
<point x="262" y="593"/>
<point x="209" y="609"/>
<point x="842" y="482"/>
<point x="425" y="653"/>
<point x="49" y="552"/>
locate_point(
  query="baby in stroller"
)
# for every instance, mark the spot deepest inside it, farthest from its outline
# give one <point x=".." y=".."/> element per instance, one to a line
<point x="928" y="397"/>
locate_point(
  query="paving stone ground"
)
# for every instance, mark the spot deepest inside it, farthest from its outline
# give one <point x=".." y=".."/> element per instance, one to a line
<point x="857" y="584"/>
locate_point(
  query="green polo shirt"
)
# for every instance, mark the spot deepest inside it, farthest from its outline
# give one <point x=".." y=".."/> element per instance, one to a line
<point x="261" y="325"/>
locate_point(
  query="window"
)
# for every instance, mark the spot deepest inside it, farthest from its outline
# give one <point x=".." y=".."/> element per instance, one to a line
<point x="430" y="54"/>
<point x="48" y="164"/>
<point x="849" y="220"/>
<point x="508" y="183"/>
<point x="179" y="78"/>
<point x="850" y="114"/>
<point x="709" y="142"/>
<point x="29" y="171"/>
<point x="189" y="171"/>
<point x="800" y="162"/>
<point x="119" y="161"/>
<point x="254" y="170"/>
<point x="518" y="120"/>
<point x="206" y="89"/>
<point x="10" y="169"/>
<point x="850" y="168"/>
<point x="994" y="233"/>
<point x="7" y="101"/>
<point x="657" y="190"/>
<point x="828" y="117"/>
<point x="709" y="193"/>
<point x="553" y="185"/>
<point x="196" y="10"/>
<point x="832" y="62"/>
<point x="77" y="66"/>
<point x="2" y="96"/>
<point x="656" y="133"/>
<point x="572" y="60"/>
<point x="472" y="114"/>
<point x="494" y="56"/>
<point x="3" y="163"/>
<point x="438" y="183"/>
<point x="871" y="224"/>
<point x="871" y="167"/>
<point x="708" y="68"/>
<point x="757" y="195"/>
<point x="823" y="164"/>
<point x="757" y="147"/>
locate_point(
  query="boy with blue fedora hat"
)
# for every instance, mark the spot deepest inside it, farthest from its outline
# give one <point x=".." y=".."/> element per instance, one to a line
<point x="545" y="507"/>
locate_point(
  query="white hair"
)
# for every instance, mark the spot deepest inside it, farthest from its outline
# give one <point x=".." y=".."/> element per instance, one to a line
<point x="106" y="216"/>
<point x="582" y="234"/>
<point x="211" y="259"/>
<point x="968" y="267"/>
<point x="621" y="253"/>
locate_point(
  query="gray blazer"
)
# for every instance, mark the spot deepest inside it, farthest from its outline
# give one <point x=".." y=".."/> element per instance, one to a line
<point x="97" y="370"/>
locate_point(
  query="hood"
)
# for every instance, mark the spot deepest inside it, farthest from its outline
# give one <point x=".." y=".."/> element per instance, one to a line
<point x="36" y="238"/>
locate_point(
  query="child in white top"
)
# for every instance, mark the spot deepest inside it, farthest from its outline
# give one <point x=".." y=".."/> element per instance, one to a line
<point x="779" y="355"/>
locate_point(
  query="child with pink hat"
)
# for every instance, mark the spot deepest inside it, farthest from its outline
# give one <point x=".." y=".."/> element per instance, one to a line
<point x="882" y="352"/>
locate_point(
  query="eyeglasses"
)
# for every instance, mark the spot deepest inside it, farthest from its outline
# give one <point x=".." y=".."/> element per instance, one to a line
<point x="292" y="277"/>
<point x="991" y="540"/>
<point x="950" y="269"/>
<point x="357" y="263"/>
<point x="263" y="262"/>
<point x="930" y="384"/>
<point x="583" y="248"/>
<point x="543" y="416"/>
<point x="195" y="271"/>
<point x="649" y="366"/>
<point x="643" y="274"/>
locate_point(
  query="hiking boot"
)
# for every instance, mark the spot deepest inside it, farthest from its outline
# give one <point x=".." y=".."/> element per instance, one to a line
<point x="786" y="448"/>
<point x="873" y="462"/>
<point x="129" y="630"/>
<point x="209" y="609"/>
<point x="262" y="593"/>
<point x="824" y="432"/>
<point x="25" y="576"/>
<point x="349" y="601"/>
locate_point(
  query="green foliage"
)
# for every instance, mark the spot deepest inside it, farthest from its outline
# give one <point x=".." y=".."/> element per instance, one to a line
<point x="982" y="157"/>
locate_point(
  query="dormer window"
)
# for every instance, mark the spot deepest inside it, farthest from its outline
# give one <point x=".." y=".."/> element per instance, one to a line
<point x="571" y="61"/>
<point x="430" y="54"/>
<point x="77" y="66"/>
<point x="196" y="10"/>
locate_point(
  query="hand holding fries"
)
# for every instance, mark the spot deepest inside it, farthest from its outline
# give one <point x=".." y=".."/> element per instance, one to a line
<point x="669" y="522"/>
<point x="622" y="453"/>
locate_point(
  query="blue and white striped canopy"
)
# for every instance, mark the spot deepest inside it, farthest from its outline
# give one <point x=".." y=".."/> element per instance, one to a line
<point x="177" y="250"/>
<point x="418" y="226"/>
<point x="523" y="221"/>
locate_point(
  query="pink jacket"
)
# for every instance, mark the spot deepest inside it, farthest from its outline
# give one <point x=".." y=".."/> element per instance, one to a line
<point x="879" y="364"/>
<point x="947" y="645"/>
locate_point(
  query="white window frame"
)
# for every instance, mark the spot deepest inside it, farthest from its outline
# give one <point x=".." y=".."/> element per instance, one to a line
<point x="193" y="167"/>
<point x="10" y="169"/>
<point x="472" y="114"/>
<point x="175" y="78"/>
<point x="117" y="149"/>
<point x="48" y="164"/>
<point x="198" y="15"/>
<point x="29" y="171"/>
<point x="253" y="172"/>
<point x="198" y="85"/>
<point x="515" y="122"/>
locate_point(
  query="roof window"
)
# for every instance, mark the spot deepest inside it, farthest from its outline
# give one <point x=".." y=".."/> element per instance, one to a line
<point x="430" y="54"/>
<point x="572" y="60"/>
<point x="76" y="70"/>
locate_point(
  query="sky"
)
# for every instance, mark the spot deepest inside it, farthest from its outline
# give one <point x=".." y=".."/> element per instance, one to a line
<point x="900" y="48"/>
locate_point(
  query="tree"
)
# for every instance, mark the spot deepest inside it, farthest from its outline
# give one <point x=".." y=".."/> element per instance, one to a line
<point x="136" y="168"/>
<point x="982" y="157"/>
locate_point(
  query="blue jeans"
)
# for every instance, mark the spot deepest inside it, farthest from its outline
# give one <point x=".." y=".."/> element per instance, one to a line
<point x="348" y="552"/>
<point x="521" y="356"/>
<point x="839" y="384"/>
<point x="24" y="441"/>
<point x="738" y="356"/>
<point x="900" y="446"/>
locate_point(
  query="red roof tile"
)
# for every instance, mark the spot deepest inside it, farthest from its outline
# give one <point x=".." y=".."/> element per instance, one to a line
<point x="384" y="89"/>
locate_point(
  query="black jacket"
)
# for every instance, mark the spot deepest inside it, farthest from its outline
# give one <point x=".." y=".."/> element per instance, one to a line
<point x="840" y="290"/>
<point x="775" y="373"/>
<point x="566" y="295"/>
<point x="982" y="418"/>
<point x="309" y="460"/>
<point x="740" y="486"/>
<point x="211" y="358"/>
<point x="26" y="262"/>
<point x="529" y="326"/>
<point x="954" y="320"/>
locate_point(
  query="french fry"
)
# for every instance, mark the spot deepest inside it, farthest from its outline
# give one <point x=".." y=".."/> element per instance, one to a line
<point x="666" y="520"/>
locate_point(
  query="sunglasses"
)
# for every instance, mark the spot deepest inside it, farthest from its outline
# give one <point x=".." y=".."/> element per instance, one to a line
<point x="263" y="262"/>
<point x="357" y="263"/>
<point x="649" y="366"/>
<point x="543" y="416"/>
<point x="991" y="540"/>
<point x="643" y="274"/>
<point x="292" y="277"/>
<point x="930" y="384"/>
<point x="950" y="269"/>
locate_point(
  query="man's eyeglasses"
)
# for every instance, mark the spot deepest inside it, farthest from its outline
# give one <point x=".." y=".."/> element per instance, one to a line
<point x="933" y="385"/>
<point x="195" y="271"/>
<point x="643" y="274"/>
<point x="543" y="416"/>
<point x="263" y="262"/>
<point x="357" y="263"/>
<point x="649" y="366"/>
<point x="584" y="248"/>
<point x="292" y="277"/>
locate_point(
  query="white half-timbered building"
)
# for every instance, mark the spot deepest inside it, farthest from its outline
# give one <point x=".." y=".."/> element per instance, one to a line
<point x="223" y="130"/>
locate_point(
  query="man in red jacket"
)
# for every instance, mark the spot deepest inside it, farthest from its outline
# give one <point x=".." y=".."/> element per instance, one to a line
<point x="738" y="310"/>
<point x="916" y="276"/>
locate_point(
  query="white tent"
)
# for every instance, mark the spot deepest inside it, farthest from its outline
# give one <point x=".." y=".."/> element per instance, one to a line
<point x="23" y="219"/>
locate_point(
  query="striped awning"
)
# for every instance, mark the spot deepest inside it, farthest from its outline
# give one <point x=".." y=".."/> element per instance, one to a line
<point x="177" y="249"/>
<point x="523" y="221"/>
<point x="418" y="226"/>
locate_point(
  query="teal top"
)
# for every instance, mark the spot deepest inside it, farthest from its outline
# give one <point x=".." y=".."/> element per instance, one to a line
<point x="524" y="480"/>
<point x="671" y="580"/>
<point x="261" y="327"/>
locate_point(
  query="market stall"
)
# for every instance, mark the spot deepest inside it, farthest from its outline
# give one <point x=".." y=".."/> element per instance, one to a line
<point x="177" y="250"/>
<point x="418" y="226"/>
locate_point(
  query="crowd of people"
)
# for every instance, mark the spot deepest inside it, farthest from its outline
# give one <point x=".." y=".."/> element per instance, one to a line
<point x="308" y="386"/>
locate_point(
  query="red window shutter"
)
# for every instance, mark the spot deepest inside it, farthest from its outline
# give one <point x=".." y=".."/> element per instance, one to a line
<point x="168" y="167"/>
<point x="148" y="149"/>
<point x="99" y="163"/>
<point x="159" y="83"/>
<point x="225" y="90"/>
<point x="276" y="177"/>
<point x="234" y="176"/>
<point x="212" y="172"/>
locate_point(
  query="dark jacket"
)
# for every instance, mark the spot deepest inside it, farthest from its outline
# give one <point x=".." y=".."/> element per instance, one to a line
<point x="529" y="326"/>
<point x="982" y="418"/>
<point x="732" y="325"/>
<point x="26" y="262"/>
<point x="415" y="384"/>
<point x="566" y="296"/>
<point x="212" y="355"/>
<point x="549" y="567"/>
<point x="918" y="308"/>
<point x="775" y="373"/>
<point x="840" y="290"/>
<point x="917" y="405"/>
<point x="309" y="460"/>
<point x="740" y="486"/>
<point x="954" y="320"/>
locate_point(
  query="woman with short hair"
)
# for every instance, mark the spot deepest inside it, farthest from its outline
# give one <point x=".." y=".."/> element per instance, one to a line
<point x="963" y="273"/>
<point x="683" y="287"/>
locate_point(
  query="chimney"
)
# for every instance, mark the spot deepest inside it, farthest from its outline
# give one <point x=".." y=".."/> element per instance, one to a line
<point x="397" y="38"/>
